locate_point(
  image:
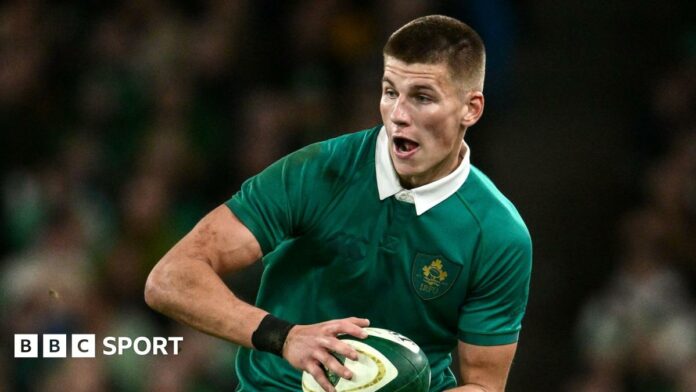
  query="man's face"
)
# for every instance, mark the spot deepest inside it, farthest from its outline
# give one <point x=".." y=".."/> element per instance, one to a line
<point x="425" y="114"/>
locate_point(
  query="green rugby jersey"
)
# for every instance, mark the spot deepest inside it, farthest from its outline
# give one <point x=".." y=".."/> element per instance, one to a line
<point x="455" y="269"/>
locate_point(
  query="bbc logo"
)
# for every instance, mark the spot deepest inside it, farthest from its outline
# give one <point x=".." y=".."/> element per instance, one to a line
<point x="55" y="346"/>
<point x="85" y="345"/>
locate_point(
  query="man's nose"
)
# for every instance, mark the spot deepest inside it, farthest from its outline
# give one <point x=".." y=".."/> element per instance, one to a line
<point x="399" y="114"/>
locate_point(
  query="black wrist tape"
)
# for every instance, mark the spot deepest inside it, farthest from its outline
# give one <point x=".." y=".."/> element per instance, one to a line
<point x="270" y="335"/>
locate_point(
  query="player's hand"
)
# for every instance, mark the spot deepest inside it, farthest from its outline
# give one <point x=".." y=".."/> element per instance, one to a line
<point x="309" y="347"/>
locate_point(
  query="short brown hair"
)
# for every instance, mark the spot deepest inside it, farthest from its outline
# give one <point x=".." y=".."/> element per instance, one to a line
<point x="436" y="39"/>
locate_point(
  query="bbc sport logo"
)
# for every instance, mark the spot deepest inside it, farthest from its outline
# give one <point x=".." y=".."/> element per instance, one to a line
<point x="85" y="345"/>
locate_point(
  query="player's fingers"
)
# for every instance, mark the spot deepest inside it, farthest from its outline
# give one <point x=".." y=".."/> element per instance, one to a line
<point x="348" y="327"/>
<point x="318" y="373"/>
<point x="360" y="322"/>
<point x="339" y="347"/>
<point x="331" y="363"/>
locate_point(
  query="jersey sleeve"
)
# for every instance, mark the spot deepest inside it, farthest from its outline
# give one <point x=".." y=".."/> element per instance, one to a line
<point x="495" y="305"/>
<point x="273" y="204"/>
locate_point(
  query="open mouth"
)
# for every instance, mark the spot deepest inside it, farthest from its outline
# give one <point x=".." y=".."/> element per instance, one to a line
<point x="404" y="146"/>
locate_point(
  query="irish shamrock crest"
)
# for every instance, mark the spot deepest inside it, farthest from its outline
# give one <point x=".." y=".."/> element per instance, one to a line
<point x="432" y="276"/>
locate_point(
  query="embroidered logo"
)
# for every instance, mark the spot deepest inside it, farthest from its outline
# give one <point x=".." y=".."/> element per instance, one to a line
<point x="432" y="276"/>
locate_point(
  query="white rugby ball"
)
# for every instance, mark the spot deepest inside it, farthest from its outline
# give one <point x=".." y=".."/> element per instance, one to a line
<point x="387" y="362"/>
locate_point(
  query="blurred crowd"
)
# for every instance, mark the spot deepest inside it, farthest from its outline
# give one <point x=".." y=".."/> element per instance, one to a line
<point x="638" y="333"/>
<point x="124" y="122"/>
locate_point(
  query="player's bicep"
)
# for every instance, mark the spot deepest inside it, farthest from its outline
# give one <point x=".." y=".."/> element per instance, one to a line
<point x="487" y="366"/>
<point x="221" y="240"/>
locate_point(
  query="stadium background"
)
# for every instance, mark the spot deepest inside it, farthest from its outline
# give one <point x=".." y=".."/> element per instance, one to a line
<point x="124" y="122"/>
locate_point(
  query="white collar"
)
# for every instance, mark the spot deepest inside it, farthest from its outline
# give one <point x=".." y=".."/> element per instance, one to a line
<point x="424" y="197"/>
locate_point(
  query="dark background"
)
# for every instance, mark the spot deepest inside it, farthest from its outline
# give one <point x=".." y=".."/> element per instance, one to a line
<point x="124" y="123"/>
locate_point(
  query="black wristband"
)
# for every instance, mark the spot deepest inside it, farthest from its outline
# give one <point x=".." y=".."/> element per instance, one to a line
<point x="270" y="335"/>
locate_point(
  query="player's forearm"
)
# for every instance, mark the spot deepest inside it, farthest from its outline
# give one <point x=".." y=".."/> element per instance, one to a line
<point x="191" y="292"/>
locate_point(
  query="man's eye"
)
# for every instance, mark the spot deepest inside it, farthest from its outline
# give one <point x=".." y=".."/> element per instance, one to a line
<point x="423" y="99"/>
<point x="390" y="93"/>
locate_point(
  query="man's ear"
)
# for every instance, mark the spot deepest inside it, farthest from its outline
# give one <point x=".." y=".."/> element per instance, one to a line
<point x="473" y="109"/>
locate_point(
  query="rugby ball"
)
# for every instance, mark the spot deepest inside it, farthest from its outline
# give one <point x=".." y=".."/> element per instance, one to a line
<point x="387" y="362"/>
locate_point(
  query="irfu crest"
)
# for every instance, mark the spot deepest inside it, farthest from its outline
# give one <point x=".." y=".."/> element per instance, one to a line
<point x="432" y="276"/>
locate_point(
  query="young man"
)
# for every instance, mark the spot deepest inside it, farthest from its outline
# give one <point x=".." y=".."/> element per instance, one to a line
<point x="391" y="225"/>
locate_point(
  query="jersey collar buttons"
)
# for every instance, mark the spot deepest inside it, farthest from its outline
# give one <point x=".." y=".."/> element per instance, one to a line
<point x="404" y="195"/>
